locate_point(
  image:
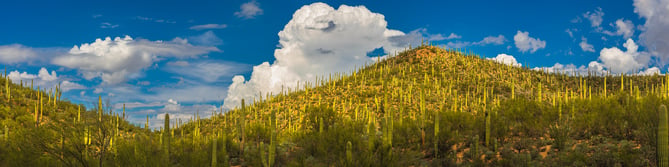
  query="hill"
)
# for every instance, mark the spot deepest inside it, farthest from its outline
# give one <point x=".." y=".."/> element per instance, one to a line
<point x="41" y="129"/>
<point x="425" y="106"/>
<point x="430" y="106"/>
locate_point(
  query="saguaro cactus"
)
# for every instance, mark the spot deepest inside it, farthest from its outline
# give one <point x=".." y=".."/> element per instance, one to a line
<point x="100" y="108"/>
<point x="663" y="138"/>
<point x="349" y="153"/>
<point x="487" y="129"/>
<point x="213" y="151"/>
<point x="123" y="111"/>
<point x="240" y="121"/>
<point x="263" y="159"/>
<point x="605" y="87"/>
<point x="6" y="133"/>
<point x="146" y="125"/>
<point x="436" y="134"/>
<point x="166" y="133"/>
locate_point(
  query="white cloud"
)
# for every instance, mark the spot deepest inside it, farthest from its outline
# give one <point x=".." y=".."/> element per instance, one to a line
<point x="506" y="59"/>
<point x="44" y="79"/>
<point x="192" y="93"/>
<point x="593" y="67"/>
<point x="249" y="10"/>
<point x="108" y="25"/>
<point x="526" y="43"/>
<point x="318" y="40"/>
<point x="208" y="26"/>
<point x="458" y="44"/>
<point x="177" y="111"/>
<point x="571" y="33"/>
<point x="655" y="31"/>
<point x="98" y="90"/>
<point x="114" y="60"/>
<point x="67" y="86"/>
<point x="208" y="71"/>
<point x="594" y="17"/>
<point x="154" y="19"/>
<point x="206" y="39"/>
<point x="414" y="37"/>
<point x="16" y="53"/>
<point x="453" y="36"/>
<point x="618" y="61"/>
<point x="439" y="37"/>
<point x="624" y="28"/>
<point x="585" y="46"/>
<point x="497" y="40"/>
<point x="179" y="63"/>
<point x="651" y="71"/>
<point x="132" y="105"/>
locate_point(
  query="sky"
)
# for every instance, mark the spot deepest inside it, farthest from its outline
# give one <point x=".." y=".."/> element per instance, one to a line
<point x="183" y="58"/>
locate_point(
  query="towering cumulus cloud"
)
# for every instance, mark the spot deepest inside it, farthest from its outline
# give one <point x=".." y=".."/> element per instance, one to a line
<point x="318" y="40"/>
<point x="655" y="31"/>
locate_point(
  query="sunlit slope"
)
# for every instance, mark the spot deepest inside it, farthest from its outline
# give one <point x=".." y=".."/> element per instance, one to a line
<point x="39" y="128"/>
<point x="441" y="107"/>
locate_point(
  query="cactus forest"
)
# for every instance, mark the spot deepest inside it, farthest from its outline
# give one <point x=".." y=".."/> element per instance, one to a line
<point x="426" y="106"/>
<point x="266" y="83"/>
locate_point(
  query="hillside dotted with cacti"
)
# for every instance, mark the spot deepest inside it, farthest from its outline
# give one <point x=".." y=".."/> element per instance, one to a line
<point x="426" y="106"/>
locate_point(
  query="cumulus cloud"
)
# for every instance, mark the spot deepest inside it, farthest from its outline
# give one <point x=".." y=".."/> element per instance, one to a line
<point x="208" y="26"/>
<point x="651" y="71"/>
<point x="617" y="61"/>
<point x="114" y="60"/>
<point x="595" y="17"/>
<point x="526" y="43"/>
<point x="506" y="59"/>
<point x="594" y="68"/>
<point x="16" y="53"/>
<point x="624" y="28"/>
<point x="655" y="31"/>
<point x="585" y="46"/>
<point x="249" y="10"/>
<point x="318" y="40"/>
<point x="44" y="79"/>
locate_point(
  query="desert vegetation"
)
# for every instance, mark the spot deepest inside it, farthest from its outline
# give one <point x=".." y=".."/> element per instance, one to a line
<point x="427" y="106"/>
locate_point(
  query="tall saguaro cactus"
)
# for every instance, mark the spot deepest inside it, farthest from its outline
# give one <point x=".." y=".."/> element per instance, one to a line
<point x="213" y="151"/>
<point x="8" y="91"/>
<point x="166" y="133"/>
<point x="349" y="153"/>
<point x="663" y="138"/>
<point x="100" y="108"/>
<point x="146" y="125"/>
<point x="6" y="133"/>
<point x="240" y="121"/>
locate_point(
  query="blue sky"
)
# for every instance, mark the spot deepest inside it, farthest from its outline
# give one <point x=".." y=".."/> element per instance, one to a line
<point x="182" y="57"/>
